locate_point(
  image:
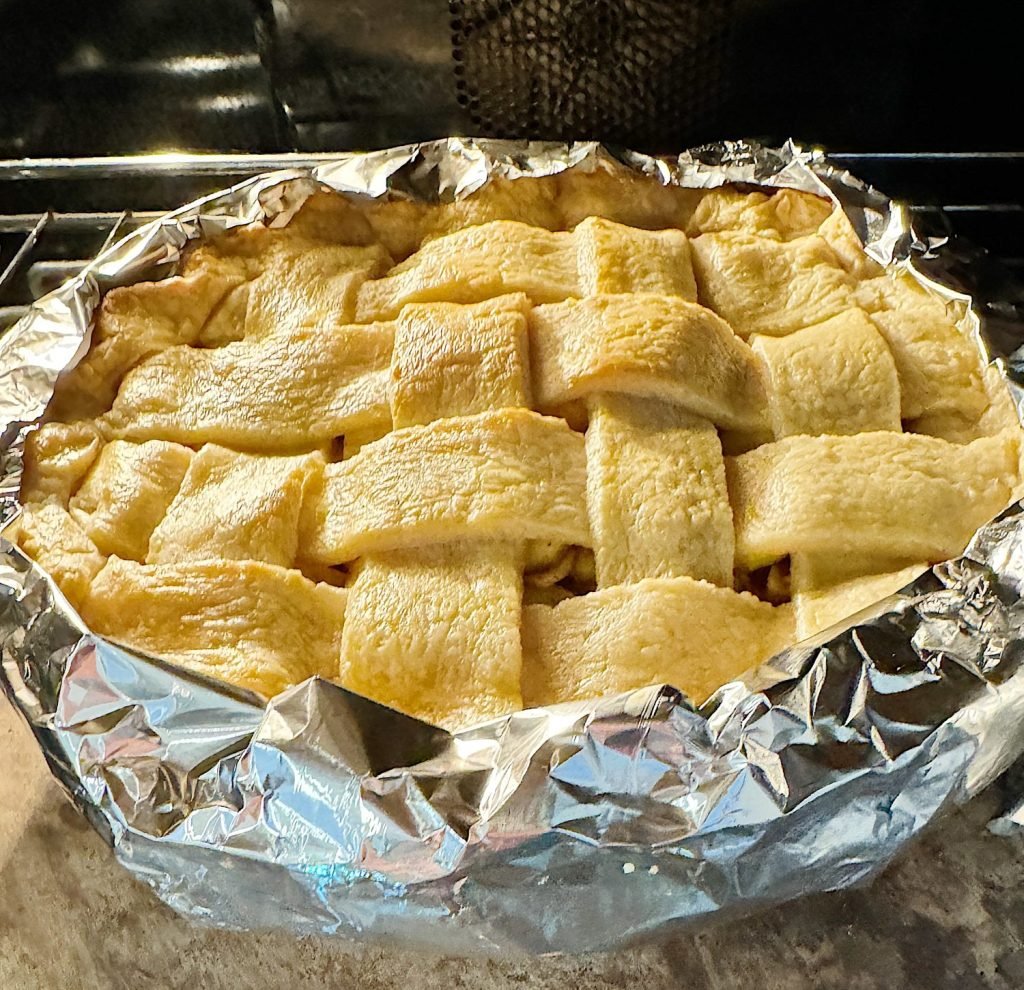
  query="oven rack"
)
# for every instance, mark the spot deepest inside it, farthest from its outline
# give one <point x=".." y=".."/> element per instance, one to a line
<point x="57" y="213"/>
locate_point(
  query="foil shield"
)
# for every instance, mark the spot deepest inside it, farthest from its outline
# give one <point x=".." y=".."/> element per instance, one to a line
<point x="578" y="827"/>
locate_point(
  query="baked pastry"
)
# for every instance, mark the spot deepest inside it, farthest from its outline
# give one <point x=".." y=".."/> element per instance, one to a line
<point x="567" y="437"/>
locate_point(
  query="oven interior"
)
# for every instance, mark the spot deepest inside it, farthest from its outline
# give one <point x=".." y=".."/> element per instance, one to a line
<point x="109" y="119"/>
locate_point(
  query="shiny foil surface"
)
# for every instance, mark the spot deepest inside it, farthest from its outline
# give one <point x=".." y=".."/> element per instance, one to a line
<point x="579" y="827"/>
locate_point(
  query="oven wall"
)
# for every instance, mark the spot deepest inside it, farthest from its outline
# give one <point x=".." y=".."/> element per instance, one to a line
<point x="271" y="75"/>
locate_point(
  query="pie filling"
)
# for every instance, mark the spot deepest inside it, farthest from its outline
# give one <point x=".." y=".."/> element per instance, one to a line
<point x="567" y="437"/>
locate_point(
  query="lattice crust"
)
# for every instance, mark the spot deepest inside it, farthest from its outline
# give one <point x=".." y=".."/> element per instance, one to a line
<point x="133" y="323"/>
<point x="780" y="216"/>
<point x="518" y="449"/>
<point x="466" y="358"/>
<point x="827" y="587"/>
<point x="261" y="627"/>
<point x="505" y="256"/>
<point x="921" y="500"/>
<point x="836" y="377"/>
<point x="57" y="458"/>
<point x="235" y="507"/>
<point x="678" y="630"/>
<point x="280" y="393"/>
<point x="431" y="624"/>
<point x="937" y="365"/>
<point x="49" y="535"/>
<point x="761" y="285"/>
<point x="498" y="475"/>
<point x="656" y="493"/>
<point x="127" y="492"/>
<point x="646" y="345"/>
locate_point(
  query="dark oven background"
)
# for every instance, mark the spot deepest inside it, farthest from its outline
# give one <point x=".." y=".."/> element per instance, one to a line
<point x="268" y="75"/>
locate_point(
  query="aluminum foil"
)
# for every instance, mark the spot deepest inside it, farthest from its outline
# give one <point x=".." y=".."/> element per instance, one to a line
<point x="578" y="827"/>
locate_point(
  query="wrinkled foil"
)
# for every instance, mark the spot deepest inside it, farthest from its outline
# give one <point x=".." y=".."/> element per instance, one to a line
<point x="582" y="826"/>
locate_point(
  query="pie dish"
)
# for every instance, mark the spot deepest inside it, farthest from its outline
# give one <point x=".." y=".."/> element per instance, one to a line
<point x="567" y="437"/>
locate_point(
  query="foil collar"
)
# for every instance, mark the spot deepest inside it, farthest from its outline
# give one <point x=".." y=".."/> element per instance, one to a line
<point x="579" y="827"/>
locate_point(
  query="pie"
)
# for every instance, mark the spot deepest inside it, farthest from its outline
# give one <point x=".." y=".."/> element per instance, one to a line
<point x="566" y="437"/>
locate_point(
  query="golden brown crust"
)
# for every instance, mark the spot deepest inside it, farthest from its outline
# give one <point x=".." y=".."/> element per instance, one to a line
<point x="328" y="447"/>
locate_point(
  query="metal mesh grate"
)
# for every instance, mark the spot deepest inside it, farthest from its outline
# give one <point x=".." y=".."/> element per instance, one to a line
<point x="611" y="69"/>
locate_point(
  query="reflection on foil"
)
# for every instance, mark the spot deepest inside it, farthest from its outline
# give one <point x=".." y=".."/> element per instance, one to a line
<point x="578" y="827"/>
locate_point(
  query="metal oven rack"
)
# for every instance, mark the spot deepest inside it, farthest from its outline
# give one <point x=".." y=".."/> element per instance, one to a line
<point x="56" y="214"/>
